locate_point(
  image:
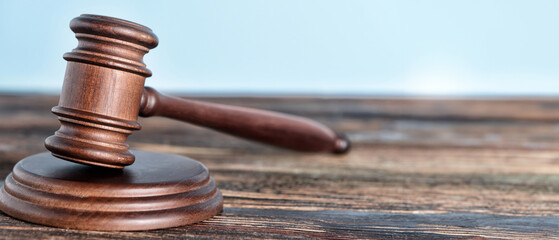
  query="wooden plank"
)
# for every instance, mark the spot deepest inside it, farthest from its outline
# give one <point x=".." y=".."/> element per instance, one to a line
<point x="428" y="168"/>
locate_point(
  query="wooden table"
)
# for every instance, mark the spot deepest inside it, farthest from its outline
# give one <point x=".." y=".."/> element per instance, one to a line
<point x="419" y="168"/>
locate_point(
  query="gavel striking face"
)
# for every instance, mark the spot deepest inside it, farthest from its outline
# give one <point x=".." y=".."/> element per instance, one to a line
<point x="103" y="94"/>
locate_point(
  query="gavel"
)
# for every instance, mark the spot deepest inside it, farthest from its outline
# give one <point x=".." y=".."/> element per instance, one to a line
<point x="103" y="94"/>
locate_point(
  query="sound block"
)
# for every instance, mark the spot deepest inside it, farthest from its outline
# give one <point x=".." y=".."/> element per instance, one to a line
<point x="157" y="191"/>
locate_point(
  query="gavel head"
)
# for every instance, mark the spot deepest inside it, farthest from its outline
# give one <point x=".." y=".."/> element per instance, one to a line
<point x="102" y="90"/>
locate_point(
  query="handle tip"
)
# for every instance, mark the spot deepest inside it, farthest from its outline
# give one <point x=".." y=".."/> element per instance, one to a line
<point x="342" y="144"/>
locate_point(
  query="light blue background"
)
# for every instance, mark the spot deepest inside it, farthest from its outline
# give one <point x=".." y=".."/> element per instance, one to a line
<point x="448" y="47"/>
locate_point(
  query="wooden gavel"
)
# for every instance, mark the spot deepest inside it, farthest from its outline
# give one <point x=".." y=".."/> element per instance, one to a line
<point x="103" y="94"/>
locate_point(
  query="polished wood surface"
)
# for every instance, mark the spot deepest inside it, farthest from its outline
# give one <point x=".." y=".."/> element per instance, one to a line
<point x="103" y="85"/>
<point x="419" y="168"/>
<point x="157" y="191"/>
<point x="276" y="129"/>
<point x="103" y="93"/>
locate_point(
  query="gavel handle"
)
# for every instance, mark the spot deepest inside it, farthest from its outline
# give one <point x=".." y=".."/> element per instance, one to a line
<point x="276" y="129"/>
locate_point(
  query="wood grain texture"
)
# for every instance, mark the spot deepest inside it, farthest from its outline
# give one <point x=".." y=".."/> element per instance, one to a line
<point x="103" y="93"/>
<point x="158" y="191"/>
<point x="419" y="168"/>
<point x="276" y="129"/>
<point x="102" y="88"/>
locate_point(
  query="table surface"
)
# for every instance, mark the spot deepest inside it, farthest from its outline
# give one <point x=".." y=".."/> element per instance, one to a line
<point x="419" y="168"/>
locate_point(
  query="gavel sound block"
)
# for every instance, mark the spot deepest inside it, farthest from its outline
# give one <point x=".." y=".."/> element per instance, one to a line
<point x="106" y="186"/>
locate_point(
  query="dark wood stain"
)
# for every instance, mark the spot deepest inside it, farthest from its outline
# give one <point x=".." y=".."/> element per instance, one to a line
<point x="404" y="179"/>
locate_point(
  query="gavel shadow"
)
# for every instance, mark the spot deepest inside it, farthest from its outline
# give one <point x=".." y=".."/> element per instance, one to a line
<point x="94" y="174"/>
